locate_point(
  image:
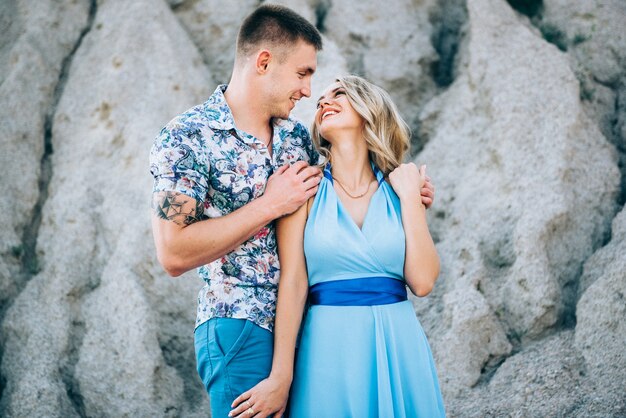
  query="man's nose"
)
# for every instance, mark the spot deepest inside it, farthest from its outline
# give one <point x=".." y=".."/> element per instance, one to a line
<point x="306" y="89"/>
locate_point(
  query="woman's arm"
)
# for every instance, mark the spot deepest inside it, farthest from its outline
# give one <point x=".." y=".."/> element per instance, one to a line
<point x="270" y="395"/>
<point x="421" y="264"/>
<point x="292" y="291"/>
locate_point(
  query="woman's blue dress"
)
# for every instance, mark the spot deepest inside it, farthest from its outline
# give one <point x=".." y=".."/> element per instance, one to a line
<point x="362" y="361"/>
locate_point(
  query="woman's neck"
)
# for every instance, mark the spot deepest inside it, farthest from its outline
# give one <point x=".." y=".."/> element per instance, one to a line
<point x="351" y="164"/>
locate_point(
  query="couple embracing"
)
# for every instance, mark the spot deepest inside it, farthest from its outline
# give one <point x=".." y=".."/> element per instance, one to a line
<point x="306" y="242"/>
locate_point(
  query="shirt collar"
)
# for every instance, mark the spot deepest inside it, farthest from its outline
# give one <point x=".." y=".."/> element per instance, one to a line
<point x="218" y="112"/>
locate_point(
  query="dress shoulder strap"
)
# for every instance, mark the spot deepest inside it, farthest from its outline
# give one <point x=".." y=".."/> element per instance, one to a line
<point x="379" y="174"/>
<point x="327" y="173"/>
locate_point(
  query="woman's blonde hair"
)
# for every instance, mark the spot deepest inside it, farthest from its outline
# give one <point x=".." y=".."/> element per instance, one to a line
<point x="387" y="135"/>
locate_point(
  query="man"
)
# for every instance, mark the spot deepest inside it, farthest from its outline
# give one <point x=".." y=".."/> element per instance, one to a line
<point x="223" y="171"/>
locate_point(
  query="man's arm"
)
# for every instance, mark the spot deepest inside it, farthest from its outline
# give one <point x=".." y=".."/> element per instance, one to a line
<point x="184" y="240"/>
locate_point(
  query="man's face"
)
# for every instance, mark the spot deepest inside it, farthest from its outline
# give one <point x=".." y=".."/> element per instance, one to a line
<point x="290" y="80"/>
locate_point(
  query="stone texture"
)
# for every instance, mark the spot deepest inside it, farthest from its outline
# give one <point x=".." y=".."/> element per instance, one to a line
<point x="541" y="381"/>
<point x="473" y="329"/>
<point x="213" y="28"/>
<point x="577" y="372"/>
<point x="528" y="316"/>
<point x="601" y="329"/>
<point x="85" y="336"/>
<point x="508" y="145"/>
<point x="32" y="50"/>
<point x="448" y="19"/>
<point x="593" y="34"/>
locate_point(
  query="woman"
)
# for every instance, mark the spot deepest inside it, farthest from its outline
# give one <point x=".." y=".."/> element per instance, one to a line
<point x="361" y="239"/>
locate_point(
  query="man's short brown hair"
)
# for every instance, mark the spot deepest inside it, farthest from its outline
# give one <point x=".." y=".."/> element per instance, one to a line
<point x="275" y="25"/>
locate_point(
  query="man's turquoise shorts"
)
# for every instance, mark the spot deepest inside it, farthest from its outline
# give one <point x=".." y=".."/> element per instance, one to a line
<point x="232" y="356"/>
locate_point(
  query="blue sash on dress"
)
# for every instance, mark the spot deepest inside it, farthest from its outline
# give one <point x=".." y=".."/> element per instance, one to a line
<point x="366" y="291"/>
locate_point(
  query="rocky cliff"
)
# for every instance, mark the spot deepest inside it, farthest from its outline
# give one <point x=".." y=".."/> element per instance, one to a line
<point x="518" y="108"/>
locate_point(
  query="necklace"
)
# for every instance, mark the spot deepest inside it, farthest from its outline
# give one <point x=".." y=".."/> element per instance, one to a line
<point x="348" y="193"/>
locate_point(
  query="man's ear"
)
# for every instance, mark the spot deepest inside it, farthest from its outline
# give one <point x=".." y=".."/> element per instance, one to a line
<point x="263" y="59"/>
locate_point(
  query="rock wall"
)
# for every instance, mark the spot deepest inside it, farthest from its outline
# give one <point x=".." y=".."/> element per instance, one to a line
<point x="517" y="108"/>
<point x="510" y="143"/>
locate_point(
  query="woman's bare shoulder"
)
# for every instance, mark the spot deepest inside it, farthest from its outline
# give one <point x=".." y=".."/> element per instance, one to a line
<point x="309" y="205"/>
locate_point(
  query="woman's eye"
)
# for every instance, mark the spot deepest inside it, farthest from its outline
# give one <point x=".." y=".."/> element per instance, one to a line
<point x="340" y="92"/>
<point x="301" y="75"/>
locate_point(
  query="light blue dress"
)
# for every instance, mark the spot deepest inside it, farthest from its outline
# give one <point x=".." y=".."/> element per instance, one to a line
<point x="361" y="361"/>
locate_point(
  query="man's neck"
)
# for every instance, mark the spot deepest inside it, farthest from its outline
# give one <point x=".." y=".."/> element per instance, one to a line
<point x="248" y="112"/>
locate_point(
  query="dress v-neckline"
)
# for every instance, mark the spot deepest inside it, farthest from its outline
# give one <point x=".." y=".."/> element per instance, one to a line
<point x="367" y="211"/>
<point x="342" y="207"/>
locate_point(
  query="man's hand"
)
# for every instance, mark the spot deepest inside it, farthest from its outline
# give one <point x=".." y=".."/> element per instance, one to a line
<point x="428" y="193"/>
<point x="291" y="186"/>
<point x="268" y="397"/>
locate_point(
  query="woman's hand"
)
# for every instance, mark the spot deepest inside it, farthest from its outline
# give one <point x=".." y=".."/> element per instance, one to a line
<point x="407" y="181"/>
<point x="267" y="398"/>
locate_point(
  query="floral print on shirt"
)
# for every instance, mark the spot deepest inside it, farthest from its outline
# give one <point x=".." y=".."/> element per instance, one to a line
<point x="202" y="154"/>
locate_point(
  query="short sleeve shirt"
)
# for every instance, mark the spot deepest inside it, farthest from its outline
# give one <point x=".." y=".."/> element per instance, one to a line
<point x="201" y="154"/>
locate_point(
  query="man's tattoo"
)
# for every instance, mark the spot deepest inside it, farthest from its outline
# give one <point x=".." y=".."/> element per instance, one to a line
<point x="177" y="207"/>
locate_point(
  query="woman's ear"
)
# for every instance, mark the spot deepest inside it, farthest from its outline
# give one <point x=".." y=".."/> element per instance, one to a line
<point x="263" y="59"/>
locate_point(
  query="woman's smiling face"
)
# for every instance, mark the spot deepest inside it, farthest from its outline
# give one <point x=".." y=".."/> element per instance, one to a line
<point x="335" y="112"/>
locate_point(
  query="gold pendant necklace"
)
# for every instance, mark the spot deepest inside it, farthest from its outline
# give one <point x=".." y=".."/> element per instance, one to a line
<point x="348" y="193"/>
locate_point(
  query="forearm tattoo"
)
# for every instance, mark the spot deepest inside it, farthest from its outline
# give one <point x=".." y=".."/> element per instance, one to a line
<point x="177" y="207"/>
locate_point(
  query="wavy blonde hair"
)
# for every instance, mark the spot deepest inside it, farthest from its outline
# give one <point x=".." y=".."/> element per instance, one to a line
<point x="387" y="135"/>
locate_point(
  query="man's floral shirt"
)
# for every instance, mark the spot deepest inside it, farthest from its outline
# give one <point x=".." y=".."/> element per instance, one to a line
<point x="202" y="154"/>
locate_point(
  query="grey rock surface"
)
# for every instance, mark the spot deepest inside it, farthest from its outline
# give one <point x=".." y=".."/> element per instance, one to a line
<point x="593" y="35"/>
<point x="508" y="143"/>
<point x="215" y="33"/>
<point x="32" y="50"/>
<point x="522" y="134"/>
<point x="542" y="380"/>
<point x="601" y="329"/>
<point x="86" y="335"/>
